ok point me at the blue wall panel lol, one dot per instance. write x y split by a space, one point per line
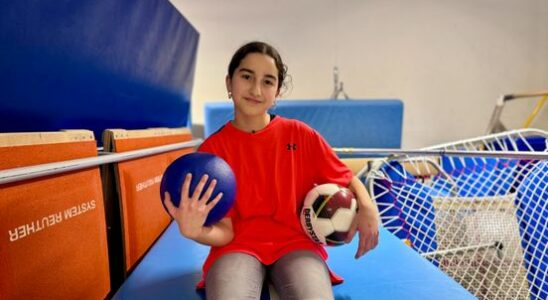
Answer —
94 64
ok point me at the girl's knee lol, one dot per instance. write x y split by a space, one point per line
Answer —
235 276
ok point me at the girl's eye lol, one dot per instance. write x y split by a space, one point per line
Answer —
246 76
269 82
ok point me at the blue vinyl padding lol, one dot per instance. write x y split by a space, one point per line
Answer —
391 271
415 218
343 123
529 143
95 64
479 176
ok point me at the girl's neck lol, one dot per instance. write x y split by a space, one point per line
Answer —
251 124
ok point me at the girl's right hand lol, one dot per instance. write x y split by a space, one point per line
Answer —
193 209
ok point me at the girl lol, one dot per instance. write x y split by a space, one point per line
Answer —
276 162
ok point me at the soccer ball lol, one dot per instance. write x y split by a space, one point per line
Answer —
327 213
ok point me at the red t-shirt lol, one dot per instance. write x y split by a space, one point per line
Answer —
274 168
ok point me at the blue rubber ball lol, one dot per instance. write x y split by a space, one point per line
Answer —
198 164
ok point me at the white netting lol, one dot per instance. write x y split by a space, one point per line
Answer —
482 220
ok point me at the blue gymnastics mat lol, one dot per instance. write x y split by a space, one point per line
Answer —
358 123
172 268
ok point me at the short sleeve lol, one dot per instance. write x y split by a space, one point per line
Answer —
327 165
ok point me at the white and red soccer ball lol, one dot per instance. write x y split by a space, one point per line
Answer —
327 214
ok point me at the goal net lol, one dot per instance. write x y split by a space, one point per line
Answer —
483 220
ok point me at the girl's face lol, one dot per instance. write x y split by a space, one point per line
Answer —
254 85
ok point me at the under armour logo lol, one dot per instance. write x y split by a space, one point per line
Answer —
291 147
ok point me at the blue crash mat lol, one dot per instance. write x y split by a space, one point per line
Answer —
172 268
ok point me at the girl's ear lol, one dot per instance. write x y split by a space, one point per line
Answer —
228 83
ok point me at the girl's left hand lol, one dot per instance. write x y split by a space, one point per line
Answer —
367 224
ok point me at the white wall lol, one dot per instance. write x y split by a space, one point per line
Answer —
447 60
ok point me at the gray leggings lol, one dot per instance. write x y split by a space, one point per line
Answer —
297 275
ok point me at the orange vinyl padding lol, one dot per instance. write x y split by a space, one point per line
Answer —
28 155
122 145
144 217
53 243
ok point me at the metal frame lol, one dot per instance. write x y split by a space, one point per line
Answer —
31 172
495 125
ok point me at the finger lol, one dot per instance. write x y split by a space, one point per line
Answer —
376 240
361 246
199 188
186 187
169 205
209 191
361 251
213 202
371 242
